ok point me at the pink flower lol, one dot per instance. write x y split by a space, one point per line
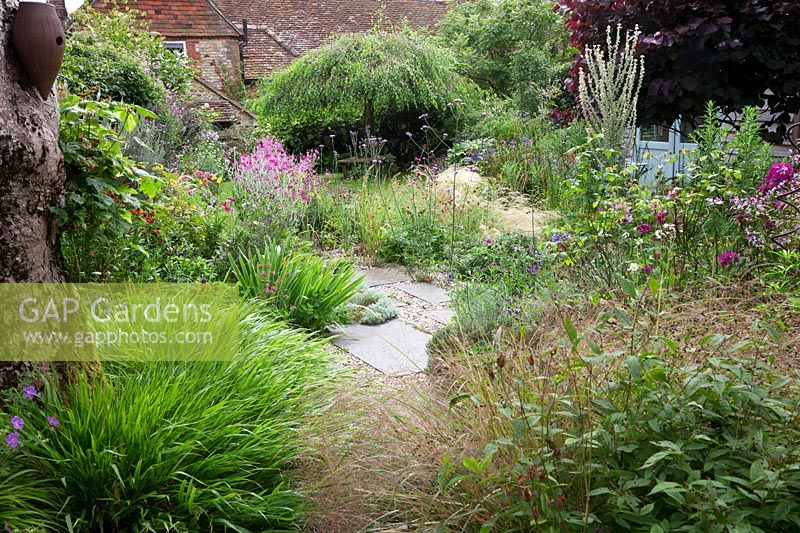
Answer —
644 228
779 174
727 259
661 216
647 268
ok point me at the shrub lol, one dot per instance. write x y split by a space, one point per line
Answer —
515 48
182 137
685 228
511 261
536 161
304 289
684 72
426 220
103 185
377 82
103 73
272 188
168 446
643 440
114 56
481 310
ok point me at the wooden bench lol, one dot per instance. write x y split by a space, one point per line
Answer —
350 162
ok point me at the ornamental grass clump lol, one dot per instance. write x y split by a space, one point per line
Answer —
303 289
170 446
619 425
272 188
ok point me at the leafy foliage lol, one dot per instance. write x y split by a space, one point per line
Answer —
170 447
103 186
304 289
113 56
182 136
535 159
516 48
380 82
511 261
639 442
424 226
729 51
713 220
92 71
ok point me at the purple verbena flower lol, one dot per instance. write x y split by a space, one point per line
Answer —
53 421
29 391
13 440
17 422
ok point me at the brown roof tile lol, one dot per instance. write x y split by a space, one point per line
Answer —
282 29
181 18
263 54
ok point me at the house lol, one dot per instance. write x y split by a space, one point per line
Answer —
279 31
233 43
662 150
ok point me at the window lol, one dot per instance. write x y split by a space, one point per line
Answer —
177 47
655 133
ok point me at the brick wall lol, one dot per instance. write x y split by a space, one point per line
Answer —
217 60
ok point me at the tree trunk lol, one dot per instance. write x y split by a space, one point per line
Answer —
31 178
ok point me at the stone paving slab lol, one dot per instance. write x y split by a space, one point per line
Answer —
443 315
425 291
377 276
394 348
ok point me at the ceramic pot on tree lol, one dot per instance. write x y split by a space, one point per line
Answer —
38 37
